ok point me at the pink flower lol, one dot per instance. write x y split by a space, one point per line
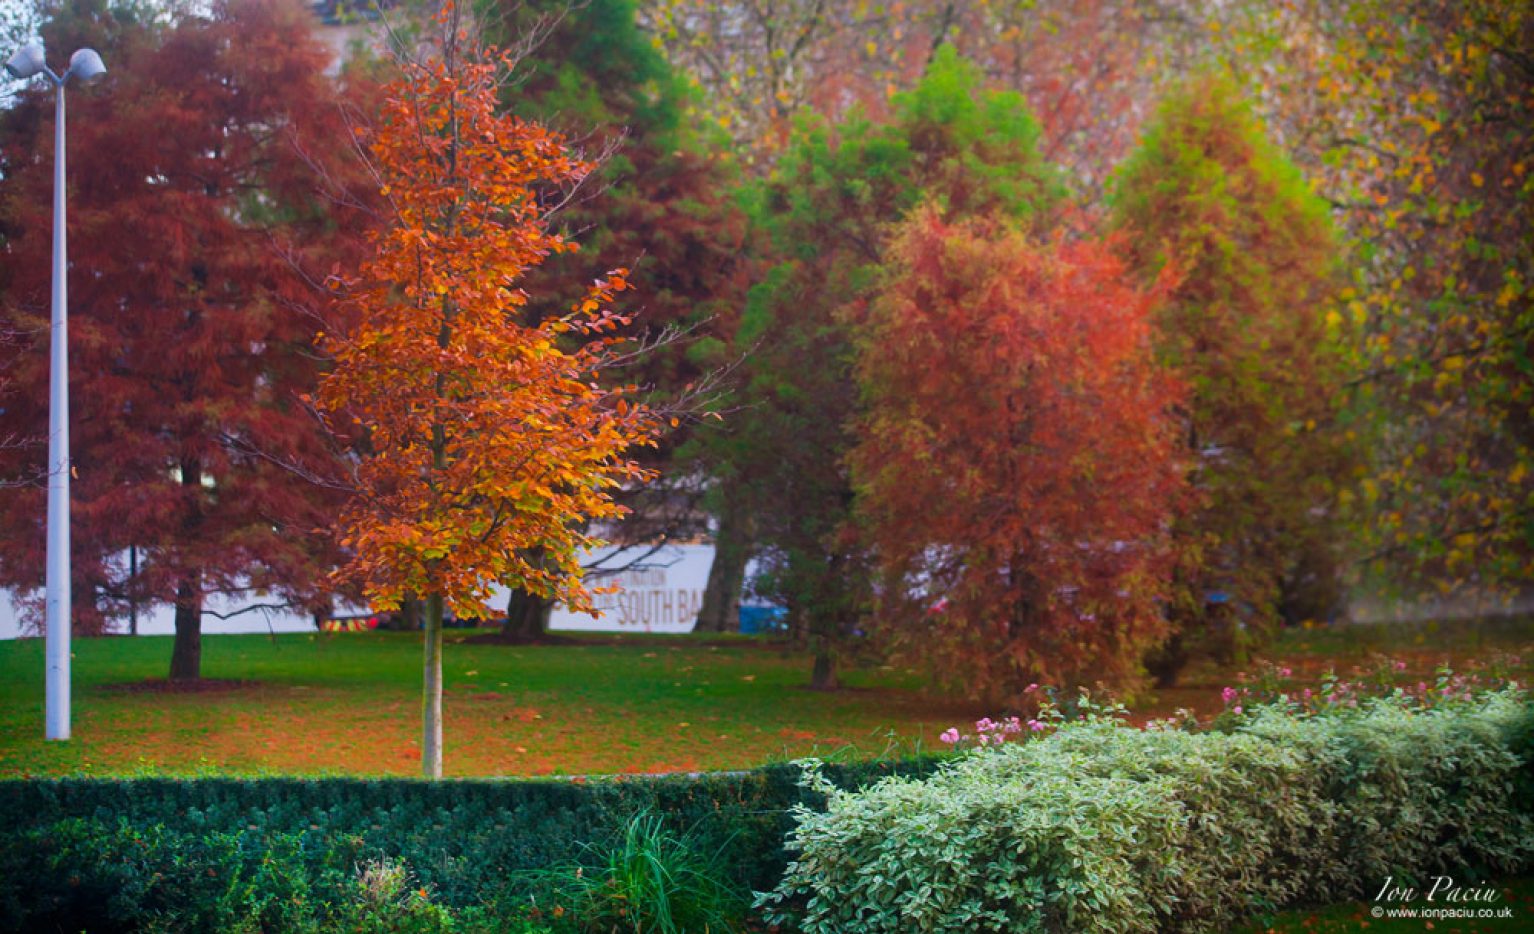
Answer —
1013 725
1229 694
1236 708
1400 666
1285 672
1030 689
950 736
984 739
1035 725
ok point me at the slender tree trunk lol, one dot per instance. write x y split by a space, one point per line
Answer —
132 590
431 699
186 651
721 596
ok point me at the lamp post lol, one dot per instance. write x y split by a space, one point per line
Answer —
86 65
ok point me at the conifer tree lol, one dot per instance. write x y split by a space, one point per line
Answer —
1247 328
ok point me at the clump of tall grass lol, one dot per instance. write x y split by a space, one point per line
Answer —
648 880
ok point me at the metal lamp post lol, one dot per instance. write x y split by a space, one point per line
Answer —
87 66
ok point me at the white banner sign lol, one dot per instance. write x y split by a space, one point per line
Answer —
660 592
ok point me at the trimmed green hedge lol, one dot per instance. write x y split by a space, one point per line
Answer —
273 853
1105 827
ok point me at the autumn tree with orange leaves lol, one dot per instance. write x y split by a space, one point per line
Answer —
1017 468
487 445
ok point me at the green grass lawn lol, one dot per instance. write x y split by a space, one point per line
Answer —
349 703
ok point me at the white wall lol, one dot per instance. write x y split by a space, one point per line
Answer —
661 593
161 620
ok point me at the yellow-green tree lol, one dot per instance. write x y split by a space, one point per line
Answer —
1427 119
1246 327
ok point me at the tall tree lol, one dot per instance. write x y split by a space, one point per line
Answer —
661 205
192 211
827 211
1017 462
488 442
1208 195
1425 131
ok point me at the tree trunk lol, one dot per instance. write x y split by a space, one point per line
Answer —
1165 662
411 613
721 596
527 616
186 652
823 675
797 626
431 694
132 590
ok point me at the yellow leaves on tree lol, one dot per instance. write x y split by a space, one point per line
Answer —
486 443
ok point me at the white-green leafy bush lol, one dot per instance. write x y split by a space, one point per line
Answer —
1105 827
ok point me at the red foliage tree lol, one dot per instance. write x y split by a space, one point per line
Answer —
1016 467
192 212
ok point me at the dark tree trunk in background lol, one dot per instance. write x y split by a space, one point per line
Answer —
798 631
412 613
721 596
527 617
527 614
823 675
186 652
1165 663
132 593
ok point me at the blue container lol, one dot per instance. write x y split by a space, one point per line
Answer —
759 620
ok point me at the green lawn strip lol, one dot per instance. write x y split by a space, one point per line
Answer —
1518 894
348 704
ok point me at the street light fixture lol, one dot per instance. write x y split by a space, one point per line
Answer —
85 65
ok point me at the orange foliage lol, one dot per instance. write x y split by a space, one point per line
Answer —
485 441
1017 468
